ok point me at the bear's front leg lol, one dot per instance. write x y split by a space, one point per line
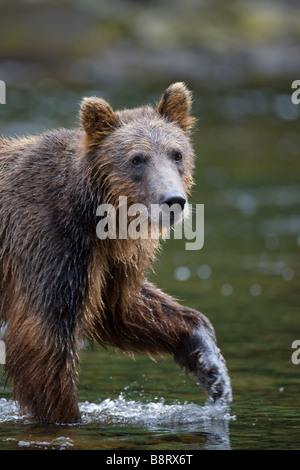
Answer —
193 342
157 324
198 353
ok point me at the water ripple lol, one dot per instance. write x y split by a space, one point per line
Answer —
123 411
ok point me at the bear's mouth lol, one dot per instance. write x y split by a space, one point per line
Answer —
165 220
139 221
158 215
166 216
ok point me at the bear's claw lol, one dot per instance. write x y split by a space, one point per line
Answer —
213 376
200 355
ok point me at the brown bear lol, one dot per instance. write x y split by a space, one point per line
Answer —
60 283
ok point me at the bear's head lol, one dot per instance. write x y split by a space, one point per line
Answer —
143 154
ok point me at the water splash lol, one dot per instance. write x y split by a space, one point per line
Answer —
131 412
123 411
9 411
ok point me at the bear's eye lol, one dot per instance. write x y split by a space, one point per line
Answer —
177 156
137 161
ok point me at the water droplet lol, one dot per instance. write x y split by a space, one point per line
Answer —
246 203
288 274
255 290
204 271
226 289
182 274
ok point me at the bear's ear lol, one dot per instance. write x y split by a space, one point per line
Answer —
97 117
176 105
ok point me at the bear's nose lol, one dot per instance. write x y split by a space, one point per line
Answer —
173 197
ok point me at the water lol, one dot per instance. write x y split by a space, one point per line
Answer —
139 417
128 420
245 279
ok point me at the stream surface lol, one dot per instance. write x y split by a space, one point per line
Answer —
245 279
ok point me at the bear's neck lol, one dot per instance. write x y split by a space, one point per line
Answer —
117 271
126 261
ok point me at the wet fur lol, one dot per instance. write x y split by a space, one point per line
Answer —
59 282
